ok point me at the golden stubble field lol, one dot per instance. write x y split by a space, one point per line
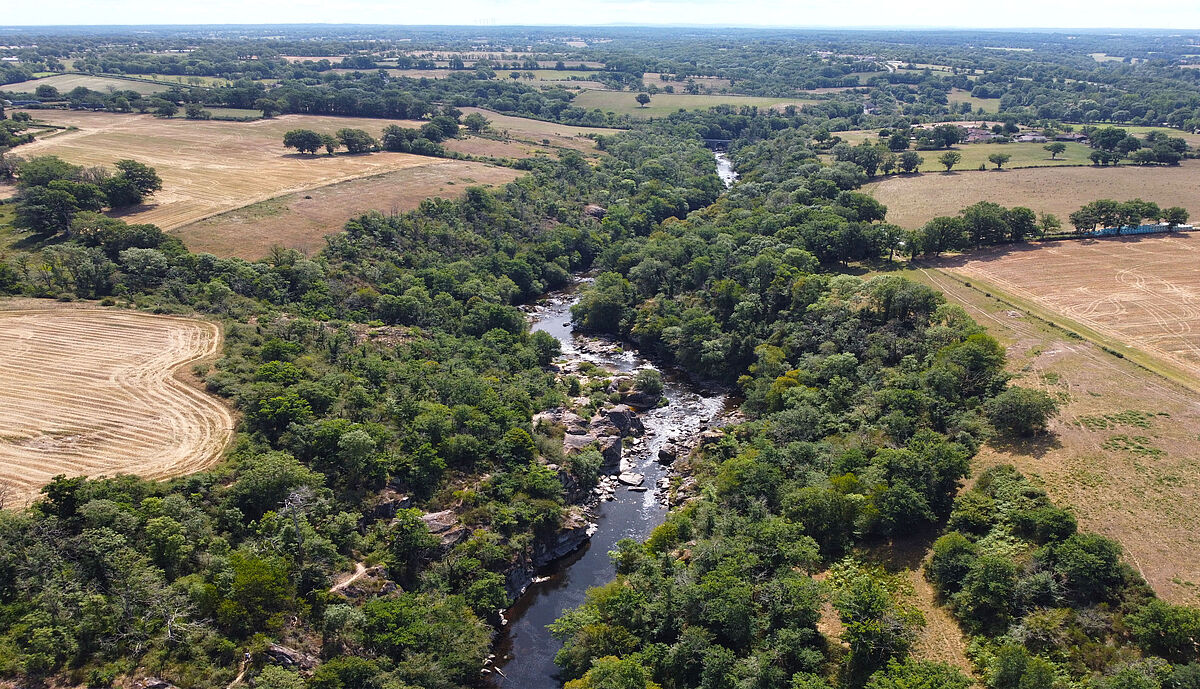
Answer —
1141 292
92 391
211 167
913 199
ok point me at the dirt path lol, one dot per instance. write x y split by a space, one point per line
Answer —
92 391
359 570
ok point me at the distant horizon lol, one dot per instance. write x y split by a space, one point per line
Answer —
621 25
867 15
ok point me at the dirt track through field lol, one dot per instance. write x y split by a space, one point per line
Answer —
98 392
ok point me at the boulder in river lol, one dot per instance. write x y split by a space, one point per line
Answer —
625 419
631 478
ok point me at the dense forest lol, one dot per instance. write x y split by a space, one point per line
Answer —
393 376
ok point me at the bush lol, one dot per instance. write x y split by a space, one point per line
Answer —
1021 411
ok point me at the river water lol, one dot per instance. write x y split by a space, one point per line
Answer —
525 652
725 169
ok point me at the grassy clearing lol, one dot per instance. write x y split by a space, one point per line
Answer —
1143 501
990 105
663 104
210 166
1192 139
1136 293
66 82
185 81
913 199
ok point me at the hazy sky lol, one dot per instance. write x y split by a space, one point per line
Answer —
1173 14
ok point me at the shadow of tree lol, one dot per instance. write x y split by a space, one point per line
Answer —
1036 447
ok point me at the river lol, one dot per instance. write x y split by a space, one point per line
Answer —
525 651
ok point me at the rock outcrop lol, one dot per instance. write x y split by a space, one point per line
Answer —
290 658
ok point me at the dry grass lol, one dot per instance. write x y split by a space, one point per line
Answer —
97 391
913 199
1145 499
301 220
663 104
66 82
211 167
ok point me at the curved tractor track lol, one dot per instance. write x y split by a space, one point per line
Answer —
87 391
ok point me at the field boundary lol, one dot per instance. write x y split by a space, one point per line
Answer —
1108 344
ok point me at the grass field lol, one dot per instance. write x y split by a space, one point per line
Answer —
1141 493
988 104
211 167
66 82
714 83
101 392
662 104
185 81
539 132
914 199
1192 139
301 220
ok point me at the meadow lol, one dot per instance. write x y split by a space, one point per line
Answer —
301 220
663 104
1122 451
66 82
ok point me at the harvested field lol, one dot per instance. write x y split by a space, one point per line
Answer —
66 82
94 391
1142 292
301 220
210 167
1142 493
913 199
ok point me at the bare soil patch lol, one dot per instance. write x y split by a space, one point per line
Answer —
301 220
913 199
92 391
1123 452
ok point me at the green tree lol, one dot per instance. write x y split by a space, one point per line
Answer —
356 140
475 122
643 99
275 677
910 161
1174 216
1166 630
999 159
1055 148
949 159
918 674
303 140
143 177
1021 411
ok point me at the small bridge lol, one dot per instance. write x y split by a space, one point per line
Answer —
717 144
